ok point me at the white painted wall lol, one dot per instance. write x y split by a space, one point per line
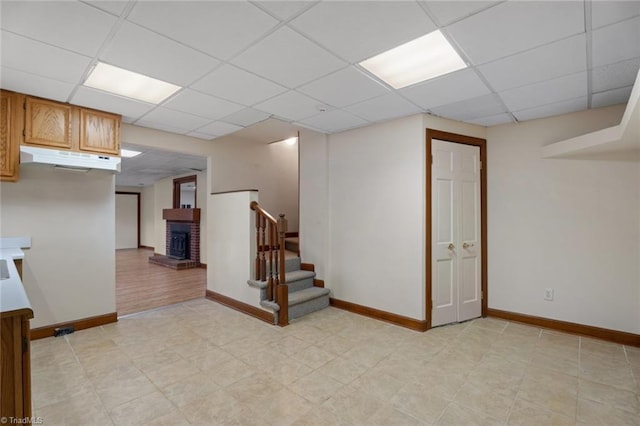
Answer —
147 216
232 246
126 221
570 225
69 272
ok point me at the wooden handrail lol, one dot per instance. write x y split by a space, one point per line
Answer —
270 258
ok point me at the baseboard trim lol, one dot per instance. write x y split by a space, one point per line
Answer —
203 265
80 324
318 283
621 337
402 321
146 247
240 306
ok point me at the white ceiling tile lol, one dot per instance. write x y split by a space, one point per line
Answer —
61 64
512 27
36 85
333 121
161 126
72 25
202 105
493 120
285 9
176 119
383 108
553 60
218 128
455 87
611 97
115 7
238 85
345 87
482 106
246 117
358 30
288 58
448 11
616 75
163 58
291 106
220 28
199 135
547 92
608 12
564 107
625 36
103 101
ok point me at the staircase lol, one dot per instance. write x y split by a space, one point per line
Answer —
303 296
287 286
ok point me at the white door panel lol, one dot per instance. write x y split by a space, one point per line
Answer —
456 256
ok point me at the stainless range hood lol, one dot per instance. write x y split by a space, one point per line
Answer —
78 160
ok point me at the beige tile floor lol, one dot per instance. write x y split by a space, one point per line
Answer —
201 363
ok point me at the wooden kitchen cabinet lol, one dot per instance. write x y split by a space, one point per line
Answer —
15 364
57 125
99 132
11 125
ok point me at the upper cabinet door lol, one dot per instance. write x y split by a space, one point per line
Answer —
99 132
48 123
11 124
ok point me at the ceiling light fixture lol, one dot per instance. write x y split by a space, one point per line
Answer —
129 84
418 60
128 153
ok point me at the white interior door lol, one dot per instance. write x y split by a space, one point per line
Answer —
456 255
126 221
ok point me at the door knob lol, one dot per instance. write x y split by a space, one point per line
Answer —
467 245
451 246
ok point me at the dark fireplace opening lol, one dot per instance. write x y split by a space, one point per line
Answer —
179 244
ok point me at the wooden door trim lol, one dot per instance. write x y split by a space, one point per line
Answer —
465 140
138 205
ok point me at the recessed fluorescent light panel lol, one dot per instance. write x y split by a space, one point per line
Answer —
128 153
129 84
421 59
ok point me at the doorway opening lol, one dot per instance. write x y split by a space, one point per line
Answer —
455 245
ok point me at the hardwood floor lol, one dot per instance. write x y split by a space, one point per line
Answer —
141 286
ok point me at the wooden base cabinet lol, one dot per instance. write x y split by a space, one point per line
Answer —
11 125
15 364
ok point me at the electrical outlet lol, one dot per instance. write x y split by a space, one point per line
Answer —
548 294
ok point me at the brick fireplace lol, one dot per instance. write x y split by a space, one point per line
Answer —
182 239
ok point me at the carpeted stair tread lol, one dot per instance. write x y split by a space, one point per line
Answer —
307 294
257 284
298 275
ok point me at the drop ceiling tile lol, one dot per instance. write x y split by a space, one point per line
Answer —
288 58
493 120
609 12
333 121
285 9
625 36
547 92
201 135
114 7
614 76
161 126
383 108
220 28
448 89
345 87
358 30
196 103
246 117
71 25
513 27
61 65
447 12
103 101
292 106
564 107
611 97
163 58
482 106
553 60
36 85
237 85
218 128
176 119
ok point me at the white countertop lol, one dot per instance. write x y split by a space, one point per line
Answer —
12 294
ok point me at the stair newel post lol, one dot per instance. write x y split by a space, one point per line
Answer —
282 230
282 289
263 258
270 284
257 272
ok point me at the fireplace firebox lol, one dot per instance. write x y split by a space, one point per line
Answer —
179 244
